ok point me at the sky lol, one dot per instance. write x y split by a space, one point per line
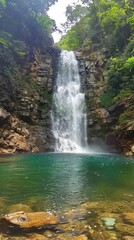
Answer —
57 12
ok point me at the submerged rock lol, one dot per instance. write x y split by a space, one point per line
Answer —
125 228
19 207
128 238
81 237
109 222
29 220
129 217
36 236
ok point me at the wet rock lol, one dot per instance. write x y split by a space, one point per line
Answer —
19 143
4 115
37 237
36 203
49 234
109 222
91 205
80 237
128 238
29 220
125 228
104 235
129 217
132 149
6 237
109 215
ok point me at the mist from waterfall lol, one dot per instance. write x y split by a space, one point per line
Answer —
68 114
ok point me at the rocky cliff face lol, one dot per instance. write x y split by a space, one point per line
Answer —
111 128
25 105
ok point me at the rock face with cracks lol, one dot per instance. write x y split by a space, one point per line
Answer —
26 103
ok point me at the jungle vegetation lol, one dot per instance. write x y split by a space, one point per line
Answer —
24 26
105 25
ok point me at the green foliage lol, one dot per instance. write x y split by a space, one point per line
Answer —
5 39
120 73
112 17
11 46
46 23
109 23
76 35
43 92
74 14
70 42
129 64
24 26
123 94
130 21
2 6
122 118
129 50
106 99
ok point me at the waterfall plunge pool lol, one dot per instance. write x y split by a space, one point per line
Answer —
82 183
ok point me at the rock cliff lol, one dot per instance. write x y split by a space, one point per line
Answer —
25 104
112 128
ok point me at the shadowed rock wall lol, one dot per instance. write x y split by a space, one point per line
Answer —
111 128
25 105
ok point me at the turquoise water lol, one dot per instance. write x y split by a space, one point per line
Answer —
54 181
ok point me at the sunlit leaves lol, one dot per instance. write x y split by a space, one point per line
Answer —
130 21
129 64
111 16
5 39
2 6
46 23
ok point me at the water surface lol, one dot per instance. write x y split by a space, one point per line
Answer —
62 180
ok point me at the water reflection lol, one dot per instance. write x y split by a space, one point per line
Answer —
63 179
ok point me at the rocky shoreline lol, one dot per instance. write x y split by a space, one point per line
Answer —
101 220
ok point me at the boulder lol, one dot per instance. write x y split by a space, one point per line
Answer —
132 149
80 237
128 238
129 217
30 220
125 228
4 115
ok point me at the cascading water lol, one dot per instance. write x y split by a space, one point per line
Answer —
68 115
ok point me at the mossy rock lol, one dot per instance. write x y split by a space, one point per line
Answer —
91 57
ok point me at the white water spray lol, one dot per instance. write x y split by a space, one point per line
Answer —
68 115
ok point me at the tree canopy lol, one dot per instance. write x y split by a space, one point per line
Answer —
106 25
24 25
100 21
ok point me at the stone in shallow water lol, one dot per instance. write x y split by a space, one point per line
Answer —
91 205
36 236
129 217
104 235
109 222
127 238
19 207
80 237
29 220
125 228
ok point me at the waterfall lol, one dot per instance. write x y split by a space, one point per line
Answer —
68 114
